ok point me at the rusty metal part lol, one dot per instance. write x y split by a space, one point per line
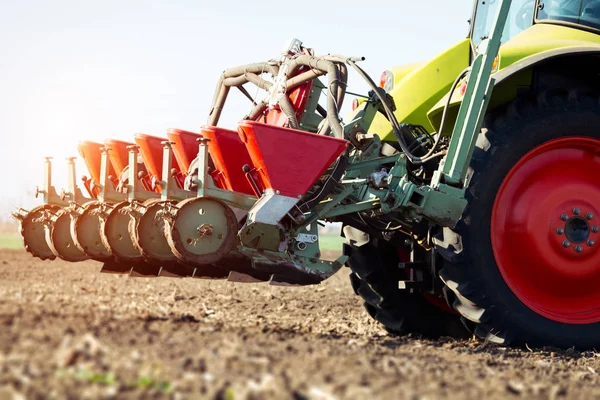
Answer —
147 231
59 239
187 231
32 226
114 232
85 230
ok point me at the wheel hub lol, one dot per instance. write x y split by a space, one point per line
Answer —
545 230
577 231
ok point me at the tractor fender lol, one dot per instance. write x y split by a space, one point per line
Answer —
509 81
540 58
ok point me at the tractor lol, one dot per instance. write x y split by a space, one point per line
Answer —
466 186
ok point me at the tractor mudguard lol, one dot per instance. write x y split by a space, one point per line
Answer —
421 88
518 57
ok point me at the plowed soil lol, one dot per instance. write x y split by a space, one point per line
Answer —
67 331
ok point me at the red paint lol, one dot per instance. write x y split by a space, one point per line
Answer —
119 155
92 156
151 150
185 147
554 178
229 156
289 160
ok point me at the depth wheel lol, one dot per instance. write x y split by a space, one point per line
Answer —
148 232
115 234
202 231
85 230
524 263
33 228
59 239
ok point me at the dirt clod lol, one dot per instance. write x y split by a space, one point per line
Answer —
192 338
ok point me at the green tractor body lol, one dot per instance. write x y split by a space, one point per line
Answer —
466 186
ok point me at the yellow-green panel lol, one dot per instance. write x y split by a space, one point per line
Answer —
421 87
532 41
401 71
543 37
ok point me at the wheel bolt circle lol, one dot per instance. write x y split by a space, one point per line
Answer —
564 217
560 231
576 211
566 243
589 216
579 249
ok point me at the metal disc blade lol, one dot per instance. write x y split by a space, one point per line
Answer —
60 241
33 230
202 231
115 234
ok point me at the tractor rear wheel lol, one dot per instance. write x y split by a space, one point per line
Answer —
375 278
524 262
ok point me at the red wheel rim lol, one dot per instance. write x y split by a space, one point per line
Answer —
544 230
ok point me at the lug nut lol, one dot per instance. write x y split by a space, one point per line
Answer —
591 242
560 231
579 249
564 217
589 216
566 243
576 211
595 229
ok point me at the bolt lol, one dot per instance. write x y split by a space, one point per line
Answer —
566 243
591 242
576 211
595 229
560 231
564 217
589 216
205 230
579 249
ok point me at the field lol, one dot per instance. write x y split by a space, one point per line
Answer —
10 241
70 332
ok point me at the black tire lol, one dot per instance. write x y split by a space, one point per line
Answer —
375 278
478 290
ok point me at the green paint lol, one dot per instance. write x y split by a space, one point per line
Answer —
418 87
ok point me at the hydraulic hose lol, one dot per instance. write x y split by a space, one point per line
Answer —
396 126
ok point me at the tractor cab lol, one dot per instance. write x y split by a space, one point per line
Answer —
578 14
582 14
484 14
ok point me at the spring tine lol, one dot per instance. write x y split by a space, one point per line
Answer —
143 270
174 270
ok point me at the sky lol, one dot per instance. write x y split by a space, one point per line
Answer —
72 70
